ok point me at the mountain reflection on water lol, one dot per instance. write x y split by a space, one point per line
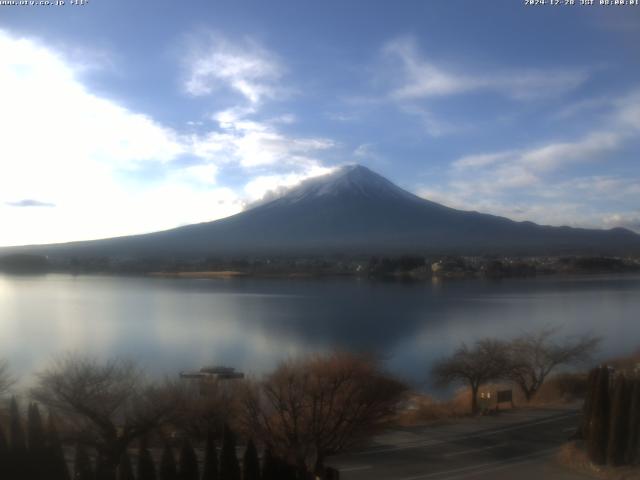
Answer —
180 324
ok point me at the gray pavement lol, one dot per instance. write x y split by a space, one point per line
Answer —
515 444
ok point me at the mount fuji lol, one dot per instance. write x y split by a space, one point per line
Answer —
352 210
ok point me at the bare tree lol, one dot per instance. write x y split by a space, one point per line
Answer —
311 408
6 379
484 362
535 355
208 406
110 404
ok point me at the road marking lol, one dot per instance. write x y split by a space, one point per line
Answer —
486 467
524 460
485 433
354 469
464 452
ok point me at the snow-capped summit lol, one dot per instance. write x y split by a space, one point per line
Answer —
351 180
353 210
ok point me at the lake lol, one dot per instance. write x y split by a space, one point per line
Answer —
170 325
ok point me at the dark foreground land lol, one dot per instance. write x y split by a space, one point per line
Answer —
515 444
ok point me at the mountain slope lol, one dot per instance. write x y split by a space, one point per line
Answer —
355 210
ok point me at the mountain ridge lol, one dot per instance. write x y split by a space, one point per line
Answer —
352 210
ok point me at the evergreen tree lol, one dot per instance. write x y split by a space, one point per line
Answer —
56 463
125 470
599 425
4 455
146 468
16 432
188 462
82 465
36 443
168 469
19 464
229 466
210 459
286 471
618 428
587 408
105 471
35 431
269 465
633 442
251 464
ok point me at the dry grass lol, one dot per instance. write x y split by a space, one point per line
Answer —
573 456
560 389
424 409
628 363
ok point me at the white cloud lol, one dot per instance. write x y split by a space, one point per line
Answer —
259 146
286 119
582 107
482 160
88 156
560 204
364 150
72 148
436 127
199 174
630 220
524 184
421 78
252 143
247 68
550 157
517 168
268 187
107 170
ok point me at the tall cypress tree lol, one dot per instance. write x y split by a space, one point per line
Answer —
229 466
56 462
19 464
35 430
633 442
599 425
250 463
125 470
618 431
82 466
104 471
285 470
269 465
210 459
146 468
188 461
592 381
168 469
4 455
36 442
16 432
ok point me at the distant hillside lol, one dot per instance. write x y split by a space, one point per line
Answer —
352 210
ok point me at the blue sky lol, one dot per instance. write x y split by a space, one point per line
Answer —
123 117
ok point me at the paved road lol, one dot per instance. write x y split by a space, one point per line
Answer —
517 444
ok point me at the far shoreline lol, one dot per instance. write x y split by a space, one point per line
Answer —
402 268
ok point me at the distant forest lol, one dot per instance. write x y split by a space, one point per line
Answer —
402 266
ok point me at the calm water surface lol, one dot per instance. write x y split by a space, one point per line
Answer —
175 324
